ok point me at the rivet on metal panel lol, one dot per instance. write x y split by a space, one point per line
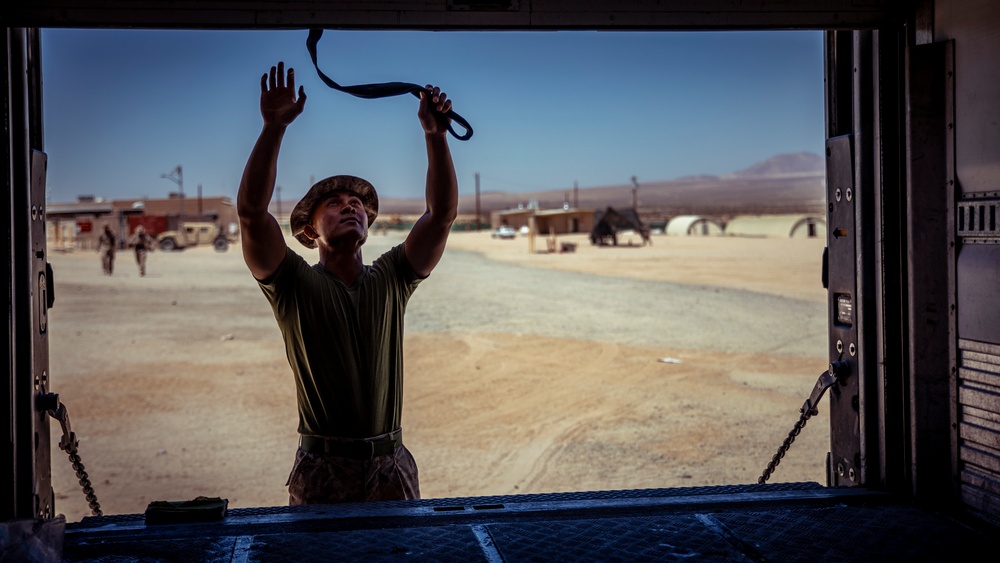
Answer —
840 469
837 194
840 346
852 349
850 194
852 475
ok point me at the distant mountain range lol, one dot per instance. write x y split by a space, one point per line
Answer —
784 183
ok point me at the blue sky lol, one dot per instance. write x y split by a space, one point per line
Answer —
123 107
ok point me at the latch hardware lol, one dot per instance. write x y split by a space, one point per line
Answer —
837 371
49 402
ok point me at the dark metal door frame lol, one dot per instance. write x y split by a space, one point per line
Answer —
864 100
26 477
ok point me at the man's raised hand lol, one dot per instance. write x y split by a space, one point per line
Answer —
278 105
433 108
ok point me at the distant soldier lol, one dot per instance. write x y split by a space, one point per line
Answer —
107 244
143 244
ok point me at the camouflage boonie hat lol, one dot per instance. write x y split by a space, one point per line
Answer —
303 211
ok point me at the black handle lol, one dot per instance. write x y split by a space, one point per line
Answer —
381 90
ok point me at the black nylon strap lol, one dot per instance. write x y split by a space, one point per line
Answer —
381 90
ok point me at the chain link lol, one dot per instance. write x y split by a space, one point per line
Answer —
71 446
784 447
81 474
826 380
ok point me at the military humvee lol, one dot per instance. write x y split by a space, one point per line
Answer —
194 233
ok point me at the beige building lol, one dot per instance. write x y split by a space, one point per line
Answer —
79 224
545 221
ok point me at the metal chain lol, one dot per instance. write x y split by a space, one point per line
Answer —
71 446
81 474
834 373
784 447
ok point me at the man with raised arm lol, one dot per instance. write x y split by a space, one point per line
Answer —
342 320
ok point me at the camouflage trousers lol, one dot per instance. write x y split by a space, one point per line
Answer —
327 479
108 260
140 259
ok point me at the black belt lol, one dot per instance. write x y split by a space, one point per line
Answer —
383 90
354 449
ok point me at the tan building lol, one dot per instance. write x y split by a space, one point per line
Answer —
562 221
545 221
513 218
79 224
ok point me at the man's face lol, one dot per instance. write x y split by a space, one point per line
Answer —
341 215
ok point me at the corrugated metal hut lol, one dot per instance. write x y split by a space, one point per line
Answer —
776 226
693 225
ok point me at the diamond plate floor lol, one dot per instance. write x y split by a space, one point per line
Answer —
779 522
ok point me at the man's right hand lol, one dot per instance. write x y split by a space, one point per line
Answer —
278 105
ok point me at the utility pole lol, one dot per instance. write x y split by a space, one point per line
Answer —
477 202
200 211
177 176
576 195
635 194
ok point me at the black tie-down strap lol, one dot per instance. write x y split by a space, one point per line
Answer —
382 90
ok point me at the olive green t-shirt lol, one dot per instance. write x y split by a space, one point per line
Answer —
344 343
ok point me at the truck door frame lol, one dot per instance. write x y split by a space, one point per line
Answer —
866 82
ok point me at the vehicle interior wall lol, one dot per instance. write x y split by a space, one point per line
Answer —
974 28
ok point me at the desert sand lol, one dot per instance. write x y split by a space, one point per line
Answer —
679 364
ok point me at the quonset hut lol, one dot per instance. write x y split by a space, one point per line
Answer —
693 225
776 226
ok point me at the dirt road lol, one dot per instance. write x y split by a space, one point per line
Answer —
606 368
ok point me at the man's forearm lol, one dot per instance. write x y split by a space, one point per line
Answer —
442 185
257 184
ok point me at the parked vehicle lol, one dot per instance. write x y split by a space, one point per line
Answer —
194 233
504 231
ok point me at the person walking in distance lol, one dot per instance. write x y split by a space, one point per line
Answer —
342 319
143 244
107 245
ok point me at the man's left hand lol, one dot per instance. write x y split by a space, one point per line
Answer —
433 107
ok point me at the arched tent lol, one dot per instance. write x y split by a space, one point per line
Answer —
776 226
809 227
693 225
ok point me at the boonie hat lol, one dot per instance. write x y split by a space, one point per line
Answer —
303 211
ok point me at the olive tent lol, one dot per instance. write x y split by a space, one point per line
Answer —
609 222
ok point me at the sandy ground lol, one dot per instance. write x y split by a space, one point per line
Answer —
177 385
